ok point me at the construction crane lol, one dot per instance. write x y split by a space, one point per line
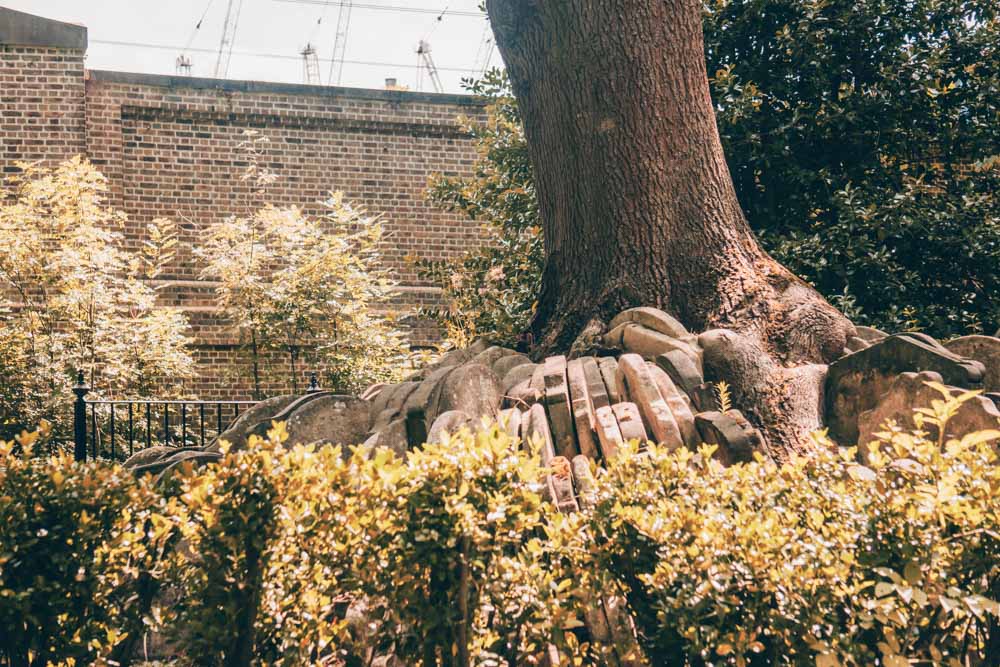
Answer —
484 55
182 65
340 42
424 54
310 65
228 38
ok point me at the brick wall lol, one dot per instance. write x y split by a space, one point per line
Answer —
169 146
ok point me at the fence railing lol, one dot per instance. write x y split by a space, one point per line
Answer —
118 428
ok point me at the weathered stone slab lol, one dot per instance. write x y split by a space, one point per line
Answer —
561 484
510 421
678 402
633 373
651 318
609 371
392 399
393 437
517 375
490 355
609 435
685 371
583 480
333 419
735 438
870 334
596 390
630 422
473 389
704 398
557 403
193 458
536 433
236 435
923 338
854 344
522 395
422 398
855 383
583 412
908 392
450 422
505 364
372 391
154 459
649 344
984 349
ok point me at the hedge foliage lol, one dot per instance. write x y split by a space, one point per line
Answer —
294 555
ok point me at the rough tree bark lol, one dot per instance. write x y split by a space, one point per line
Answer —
636 200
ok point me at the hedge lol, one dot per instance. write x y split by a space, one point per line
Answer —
299 555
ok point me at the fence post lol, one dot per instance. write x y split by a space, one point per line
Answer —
313 384
80 418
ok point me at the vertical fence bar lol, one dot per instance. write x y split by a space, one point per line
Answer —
93 429
184 424
201 413
80 418
166 423
113 457
149 424
218 419
131 429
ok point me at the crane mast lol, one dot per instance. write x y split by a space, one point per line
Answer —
228 38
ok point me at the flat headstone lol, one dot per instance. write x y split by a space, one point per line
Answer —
504 364
635 376
236 435
372 391
536 433
561 484
856 382
510 421
583 480
490 355
522 395
557 403
678 402
735 439
685 371
583 414
651 318
337 420
704 398
910 391
393 437
609 435
984 349
516 376
473 389
609 371
649 343
870 334
422 398
392 399
596 390
450 422
630 422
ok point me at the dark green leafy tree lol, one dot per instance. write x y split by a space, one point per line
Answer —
863 140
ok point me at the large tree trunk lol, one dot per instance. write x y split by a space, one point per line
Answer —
636 200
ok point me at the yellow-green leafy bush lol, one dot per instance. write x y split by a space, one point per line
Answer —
821 561
284 555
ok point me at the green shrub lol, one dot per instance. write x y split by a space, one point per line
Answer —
304 555
821 561
73 541
862 138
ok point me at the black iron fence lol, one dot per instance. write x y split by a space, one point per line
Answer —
117 429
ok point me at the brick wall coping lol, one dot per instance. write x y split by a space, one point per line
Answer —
228 85
20 29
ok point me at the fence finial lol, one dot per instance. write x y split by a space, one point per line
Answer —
313 384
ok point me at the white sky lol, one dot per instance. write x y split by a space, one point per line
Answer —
282 28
